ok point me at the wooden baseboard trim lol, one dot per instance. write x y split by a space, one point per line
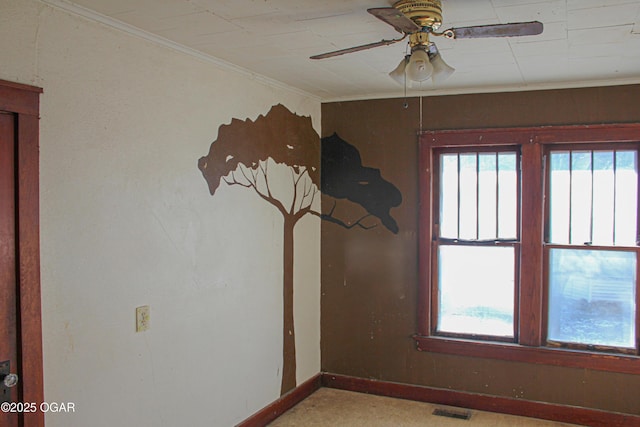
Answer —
482 402
283 404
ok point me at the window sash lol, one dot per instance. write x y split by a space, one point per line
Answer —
478 197
565 233
559 343
436 292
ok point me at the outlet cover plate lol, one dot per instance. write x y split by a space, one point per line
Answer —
142 318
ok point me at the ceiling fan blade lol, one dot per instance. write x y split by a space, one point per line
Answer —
395 18
356 48
498 30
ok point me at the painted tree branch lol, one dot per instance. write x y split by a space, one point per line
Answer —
307 189
254 184
295 190
264 166
329 217
313 190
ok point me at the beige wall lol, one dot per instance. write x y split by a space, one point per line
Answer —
127 220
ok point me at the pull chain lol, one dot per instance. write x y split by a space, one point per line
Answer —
405 105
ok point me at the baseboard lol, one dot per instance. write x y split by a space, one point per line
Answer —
283 404
482 402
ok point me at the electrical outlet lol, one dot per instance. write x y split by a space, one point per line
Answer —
142 318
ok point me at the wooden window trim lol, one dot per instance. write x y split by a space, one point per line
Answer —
530 347
537 355
24 101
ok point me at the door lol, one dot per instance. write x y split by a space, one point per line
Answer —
8 284
20 315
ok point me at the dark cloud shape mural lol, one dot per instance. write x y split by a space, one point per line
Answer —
344 177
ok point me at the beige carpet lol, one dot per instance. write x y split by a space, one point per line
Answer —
331 407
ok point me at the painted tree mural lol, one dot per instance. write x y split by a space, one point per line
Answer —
283 147
246 154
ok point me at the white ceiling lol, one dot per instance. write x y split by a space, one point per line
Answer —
584 43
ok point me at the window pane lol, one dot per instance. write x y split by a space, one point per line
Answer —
478 196
626 176
479 297
580 197
468 196
507 196
488 197
592 297
593 197
449 196
603 198
560 191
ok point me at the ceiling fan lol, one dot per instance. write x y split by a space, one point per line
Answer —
420 19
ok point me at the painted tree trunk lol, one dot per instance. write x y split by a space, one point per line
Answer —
289 335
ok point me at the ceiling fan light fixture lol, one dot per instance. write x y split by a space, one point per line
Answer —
441 70
398 74
419 68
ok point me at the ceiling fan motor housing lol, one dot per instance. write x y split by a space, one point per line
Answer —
424 13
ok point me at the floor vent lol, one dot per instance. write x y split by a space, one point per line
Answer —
461 415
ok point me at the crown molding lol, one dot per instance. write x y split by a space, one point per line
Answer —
92 15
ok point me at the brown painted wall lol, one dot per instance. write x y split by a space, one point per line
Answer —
369 277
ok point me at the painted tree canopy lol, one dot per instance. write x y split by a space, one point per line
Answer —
280 135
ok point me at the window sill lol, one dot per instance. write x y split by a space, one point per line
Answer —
539 355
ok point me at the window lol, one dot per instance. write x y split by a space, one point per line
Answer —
476 222
591 268
529 245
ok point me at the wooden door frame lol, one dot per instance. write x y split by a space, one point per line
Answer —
24 102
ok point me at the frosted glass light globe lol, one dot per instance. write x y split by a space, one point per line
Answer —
419 68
